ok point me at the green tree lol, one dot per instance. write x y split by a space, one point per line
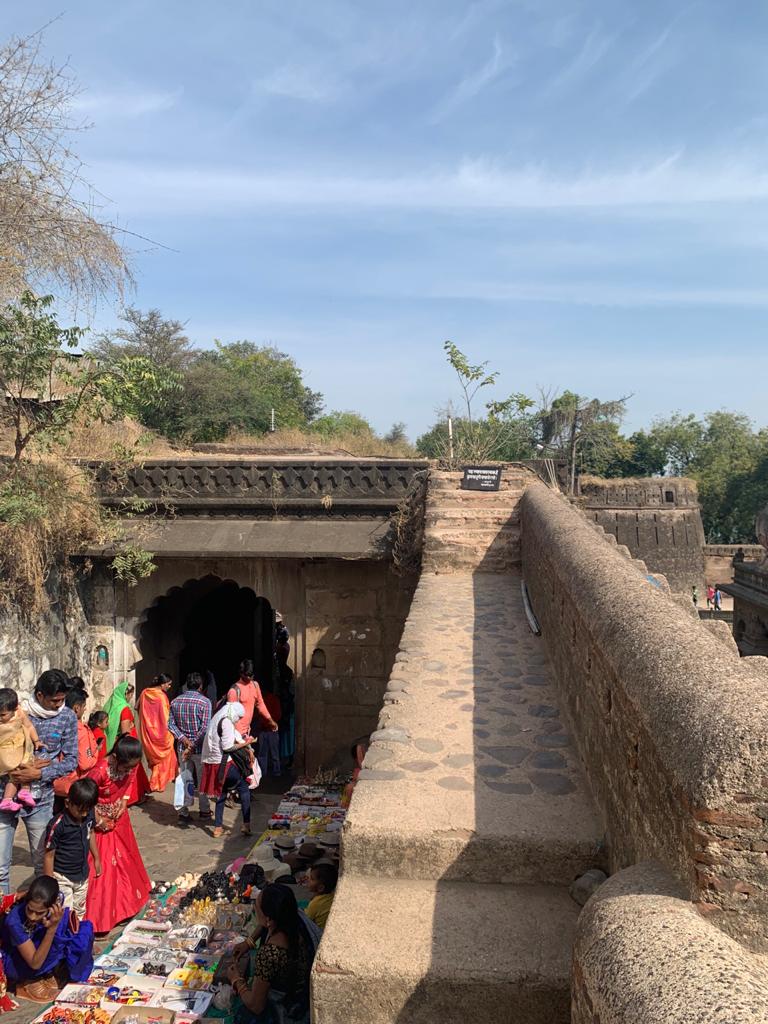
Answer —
680 438
337 423
727 459
150 335
162 342
477 437
47 511
645 456
48 386
234 388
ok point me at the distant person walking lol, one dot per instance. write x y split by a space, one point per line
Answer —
156 737
695 595
710 596
190 715
718 597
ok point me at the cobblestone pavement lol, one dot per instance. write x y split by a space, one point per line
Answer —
168 849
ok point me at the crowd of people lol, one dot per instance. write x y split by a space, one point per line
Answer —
70 780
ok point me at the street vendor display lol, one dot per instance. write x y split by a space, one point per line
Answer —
170 962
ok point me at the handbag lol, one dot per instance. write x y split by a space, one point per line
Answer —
184 787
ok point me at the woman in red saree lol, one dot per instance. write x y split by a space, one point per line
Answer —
156 737
122 889
123 723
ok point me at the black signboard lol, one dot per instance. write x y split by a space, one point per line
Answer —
481 478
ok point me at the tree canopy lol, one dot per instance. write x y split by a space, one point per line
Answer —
207 394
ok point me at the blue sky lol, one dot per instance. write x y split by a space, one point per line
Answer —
575 191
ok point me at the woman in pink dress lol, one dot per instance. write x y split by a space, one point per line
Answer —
122 889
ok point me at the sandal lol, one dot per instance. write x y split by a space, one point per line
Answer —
43 990
245 830
218 832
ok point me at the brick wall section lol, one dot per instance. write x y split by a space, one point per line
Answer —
671 725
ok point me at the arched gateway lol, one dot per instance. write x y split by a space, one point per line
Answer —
207 625
234 541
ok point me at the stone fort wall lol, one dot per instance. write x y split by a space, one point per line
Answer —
671 725
657 518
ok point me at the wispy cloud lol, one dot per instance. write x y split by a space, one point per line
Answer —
595 47
126 104
653 61
292 81
475 184
474 83
601 293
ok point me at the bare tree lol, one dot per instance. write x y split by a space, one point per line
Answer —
51 236
570 422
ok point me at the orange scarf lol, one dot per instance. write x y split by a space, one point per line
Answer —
156 738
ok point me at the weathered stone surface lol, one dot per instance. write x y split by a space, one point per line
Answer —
644 955
673 726
415 965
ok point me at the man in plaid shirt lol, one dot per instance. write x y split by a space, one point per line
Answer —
189 720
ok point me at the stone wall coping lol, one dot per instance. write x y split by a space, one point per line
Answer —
643 955
751 551
706 710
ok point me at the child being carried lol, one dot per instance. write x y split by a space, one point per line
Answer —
18 743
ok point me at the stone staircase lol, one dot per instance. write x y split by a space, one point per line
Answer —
471 817
471 530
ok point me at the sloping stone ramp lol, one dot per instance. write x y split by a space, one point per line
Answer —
471 817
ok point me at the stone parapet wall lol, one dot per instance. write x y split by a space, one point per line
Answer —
671 726
643 955
279 483
649 492
718 560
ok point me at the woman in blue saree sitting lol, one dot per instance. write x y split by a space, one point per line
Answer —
39 936
274 988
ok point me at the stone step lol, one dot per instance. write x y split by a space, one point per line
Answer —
454 533
436 514
411 952
471 562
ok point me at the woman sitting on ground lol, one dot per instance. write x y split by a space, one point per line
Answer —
38 936
276 985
